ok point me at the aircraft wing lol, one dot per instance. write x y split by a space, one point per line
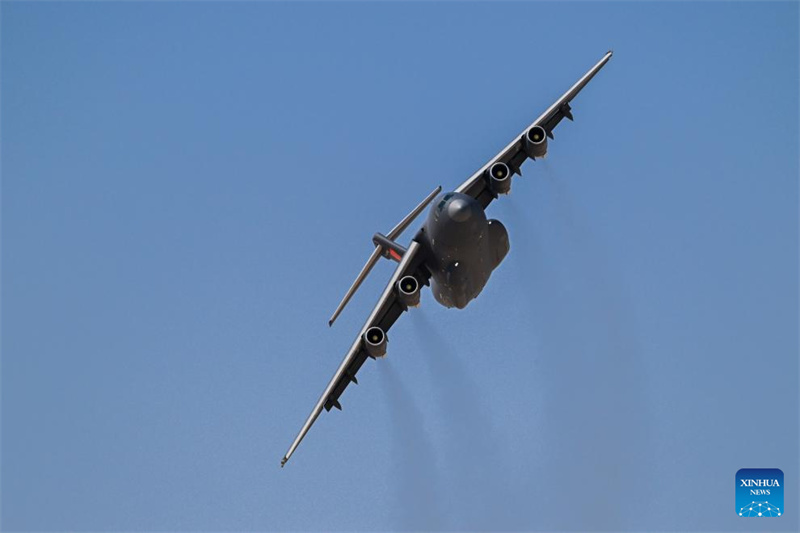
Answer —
385 313
514 154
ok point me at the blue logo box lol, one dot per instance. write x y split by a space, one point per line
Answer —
759 492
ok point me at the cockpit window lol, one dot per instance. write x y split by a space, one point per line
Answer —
443 202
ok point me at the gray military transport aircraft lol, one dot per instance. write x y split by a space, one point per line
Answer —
455 250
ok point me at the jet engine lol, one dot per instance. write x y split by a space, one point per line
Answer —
408 291
499 176
375 342
535 142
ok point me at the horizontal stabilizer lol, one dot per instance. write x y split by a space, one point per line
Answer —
384 248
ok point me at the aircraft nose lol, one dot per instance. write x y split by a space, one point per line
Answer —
459 210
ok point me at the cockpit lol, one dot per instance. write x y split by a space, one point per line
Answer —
442 203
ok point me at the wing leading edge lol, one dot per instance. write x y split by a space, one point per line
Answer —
514 154
384 315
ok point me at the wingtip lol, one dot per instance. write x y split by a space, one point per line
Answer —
610 52
283 462
330 322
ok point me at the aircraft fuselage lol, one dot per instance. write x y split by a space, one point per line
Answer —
463 248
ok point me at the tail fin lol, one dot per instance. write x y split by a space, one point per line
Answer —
384 246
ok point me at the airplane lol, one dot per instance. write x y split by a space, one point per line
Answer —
454 252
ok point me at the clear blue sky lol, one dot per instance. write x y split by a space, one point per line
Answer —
189 188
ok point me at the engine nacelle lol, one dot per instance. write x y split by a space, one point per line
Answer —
499 177
535 142
375 342
408 291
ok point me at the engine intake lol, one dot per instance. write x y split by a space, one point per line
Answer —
499 176
408 291
535 142
375 342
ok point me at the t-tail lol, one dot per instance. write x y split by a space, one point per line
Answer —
385 246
